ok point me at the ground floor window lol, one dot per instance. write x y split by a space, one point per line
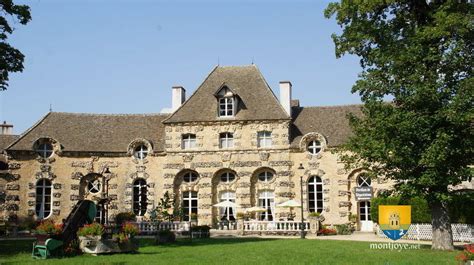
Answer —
228 212
315 194
190 204
100 216
139 197
43 198
266 200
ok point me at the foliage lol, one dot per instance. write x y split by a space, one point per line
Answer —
123 217
73 248
26 223
467 254
11 59
419 54
200 228
49 227
194 216
120 237
94 229
167 210
327 232
130 229
344 229
165 236
240 215
314 214
353 217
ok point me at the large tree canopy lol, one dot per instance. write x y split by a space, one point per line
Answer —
11 59
419 56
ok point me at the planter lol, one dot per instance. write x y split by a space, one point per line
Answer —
164 238
41 238
96 245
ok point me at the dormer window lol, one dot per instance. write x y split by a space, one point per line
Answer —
226 101
188 141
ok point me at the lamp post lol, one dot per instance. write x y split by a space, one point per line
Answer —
301 168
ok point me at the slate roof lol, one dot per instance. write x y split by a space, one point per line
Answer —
330 121
95 132
258 102
6 140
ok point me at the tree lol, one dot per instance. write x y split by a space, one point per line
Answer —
11 59
419 56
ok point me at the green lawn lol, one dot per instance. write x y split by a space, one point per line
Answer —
241 251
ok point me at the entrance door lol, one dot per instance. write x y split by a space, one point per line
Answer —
366 224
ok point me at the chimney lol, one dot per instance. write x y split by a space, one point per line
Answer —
285 96
179 96
6 129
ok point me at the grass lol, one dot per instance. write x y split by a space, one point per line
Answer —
241 251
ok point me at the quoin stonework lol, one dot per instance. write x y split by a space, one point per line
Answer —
232 139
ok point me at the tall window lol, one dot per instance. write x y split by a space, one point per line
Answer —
315 194
45 150
228 212
140 152
139 197
227 177
226 140
265 176
266 200
188 141
190 204
314 147
226 107
264 139
43 198
190 177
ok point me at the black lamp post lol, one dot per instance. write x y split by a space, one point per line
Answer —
301 189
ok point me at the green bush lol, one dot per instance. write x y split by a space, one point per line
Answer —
201 228
343 229
123 217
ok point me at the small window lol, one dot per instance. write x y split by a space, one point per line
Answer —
190 177
3 165
265 176
188 141
226 140
45 150
264 139
314 147
364 181
140 152
226 107
227 177
94 186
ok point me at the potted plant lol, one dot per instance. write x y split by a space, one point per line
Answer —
90 235
47 229
467 256
126 237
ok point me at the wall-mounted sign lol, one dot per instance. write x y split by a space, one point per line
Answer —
363 193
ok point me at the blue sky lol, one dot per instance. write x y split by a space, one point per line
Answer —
124 56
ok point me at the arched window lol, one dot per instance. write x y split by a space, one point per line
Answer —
43 198
266 200
265 176
190 204
227 177
228 212
139 197
315 194
45 150
190 177
314 147
140 152
364 181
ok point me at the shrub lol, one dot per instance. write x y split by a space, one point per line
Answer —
343 229
201 228
327 232
120 237
467 254
130 229
240 215
123 217
49 227
314 214
94 229
194 216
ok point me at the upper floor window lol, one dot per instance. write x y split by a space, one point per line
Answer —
314 147
45 150
188 141
140 152
264 139
227 177
265 176
226 101
190 177
226 140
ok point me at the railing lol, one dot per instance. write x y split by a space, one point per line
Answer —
225 225
461 232
151 228
274 226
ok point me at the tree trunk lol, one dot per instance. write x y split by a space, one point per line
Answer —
441 224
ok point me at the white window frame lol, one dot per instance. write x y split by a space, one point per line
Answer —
44 199
225 212
226 177
188 141
140 203
95 184
141 152
265 176
264 139
191 196
226 140
227 106
45 150
314 147
364 181
317 184
266 200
